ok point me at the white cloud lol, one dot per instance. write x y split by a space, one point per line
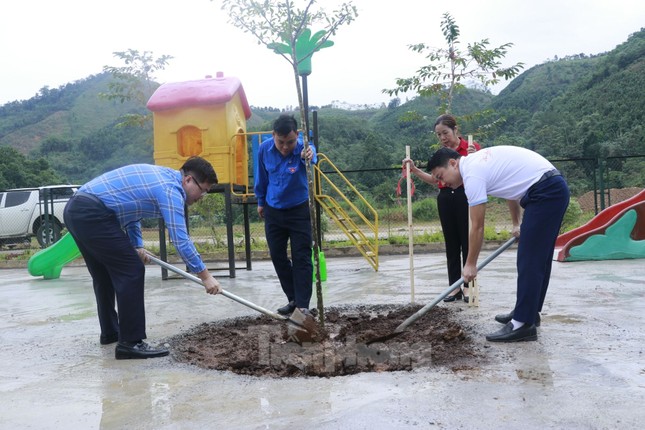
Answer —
51 43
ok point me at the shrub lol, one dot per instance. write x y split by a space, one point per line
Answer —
393 214
572 217
491 234
426 237
362 206
425 210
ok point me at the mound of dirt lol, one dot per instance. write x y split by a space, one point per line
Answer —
262 346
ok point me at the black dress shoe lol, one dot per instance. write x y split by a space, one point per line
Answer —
454 297
507 334
287 309
505 318
107 339
127 350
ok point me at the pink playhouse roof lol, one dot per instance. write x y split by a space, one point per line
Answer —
205 92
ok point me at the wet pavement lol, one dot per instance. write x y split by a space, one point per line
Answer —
586 371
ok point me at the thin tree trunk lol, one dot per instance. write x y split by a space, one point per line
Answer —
312 199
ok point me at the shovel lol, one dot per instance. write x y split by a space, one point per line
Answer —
298 324
424 310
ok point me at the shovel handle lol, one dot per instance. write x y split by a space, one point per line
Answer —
421 312
223 292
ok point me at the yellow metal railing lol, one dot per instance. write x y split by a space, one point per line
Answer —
340 206
338 201
240 145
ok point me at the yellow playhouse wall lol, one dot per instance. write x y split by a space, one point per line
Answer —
218 124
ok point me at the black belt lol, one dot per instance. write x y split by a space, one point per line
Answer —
305 203
547 175
89 196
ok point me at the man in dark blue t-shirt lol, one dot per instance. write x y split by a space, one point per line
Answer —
282 191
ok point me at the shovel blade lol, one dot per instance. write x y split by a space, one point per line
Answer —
304 328
384 338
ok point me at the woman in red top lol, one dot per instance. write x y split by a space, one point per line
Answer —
452 204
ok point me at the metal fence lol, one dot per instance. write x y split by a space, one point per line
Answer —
599 181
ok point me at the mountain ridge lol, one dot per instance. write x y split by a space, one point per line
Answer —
578 106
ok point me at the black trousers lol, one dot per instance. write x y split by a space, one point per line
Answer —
117 271
453 214
291 225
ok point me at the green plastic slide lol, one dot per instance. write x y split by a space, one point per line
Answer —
49 262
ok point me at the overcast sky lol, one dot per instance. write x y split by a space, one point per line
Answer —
54 42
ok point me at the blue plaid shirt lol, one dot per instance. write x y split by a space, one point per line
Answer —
145 191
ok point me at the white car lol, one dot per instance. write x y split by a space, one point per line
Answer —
27 212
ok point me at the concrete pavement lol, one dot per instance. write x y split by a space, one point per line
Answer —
586 371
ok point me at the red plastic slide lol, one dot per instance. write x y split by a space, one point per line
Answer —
599 223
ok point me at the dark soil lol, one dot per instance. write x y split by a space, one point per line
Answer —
262 346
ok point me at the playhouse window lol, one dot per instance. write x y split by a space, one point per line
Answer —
189 141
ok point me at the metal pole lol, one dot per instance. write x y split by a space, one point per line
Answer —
163 252
602 183
247 235
229 230
317 184
44 201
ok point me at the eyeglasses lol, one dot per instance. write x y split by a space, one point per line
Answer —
204 192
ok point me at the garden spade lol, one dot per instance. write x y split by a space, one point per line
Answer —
311 332
424 310
299 326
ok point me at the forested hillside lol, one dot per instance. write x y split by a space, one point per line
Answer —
579 106
71 112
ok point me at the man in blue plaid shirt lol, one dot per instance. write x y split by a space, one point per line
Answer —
104 217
